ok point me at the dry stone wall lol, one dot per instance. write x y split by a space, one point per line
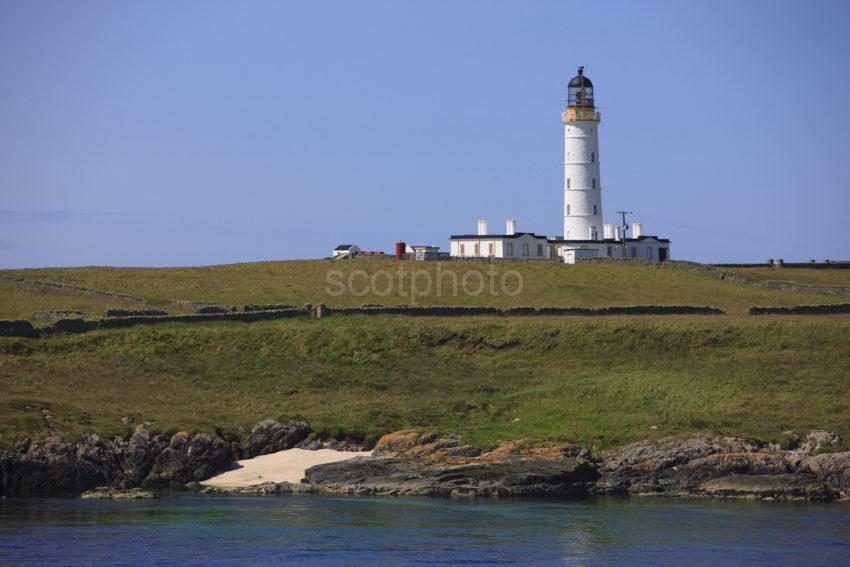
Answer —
77 325
456 311
59 287
57 315
267 306
134 312
826 309
18 328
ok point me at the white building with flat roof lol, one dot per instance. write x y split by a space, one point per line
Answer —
511 244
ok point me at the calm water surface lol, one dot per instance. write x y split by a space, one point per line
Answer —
193 529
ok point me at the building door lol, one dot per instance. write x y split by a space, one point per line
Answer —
662 254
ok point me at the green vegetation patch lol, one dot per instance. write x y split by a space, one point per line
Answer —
603 381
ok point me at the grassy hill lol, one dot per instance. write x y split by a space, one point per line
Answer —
606 381
300 282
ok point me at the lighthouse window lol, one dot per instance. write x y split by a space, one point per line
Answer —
568 209
594 209
594 183
592 157
568 182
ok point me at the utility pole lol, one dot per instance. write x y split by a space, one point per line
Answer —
623 228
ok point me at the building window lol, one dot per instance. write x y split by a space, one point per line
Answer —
539 249
594 183
634 251
592 157
491 249
525 249
594 209
477 249
568 182
610 252
462 250
568 210
509 249
649 252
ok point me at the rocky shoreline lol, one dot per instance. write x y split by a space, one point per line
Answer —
424 464
147 459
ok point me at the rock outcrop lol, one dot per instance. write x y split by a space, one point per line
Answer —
425 464
270 436
189 458
55 466
707 465
414 464
111 493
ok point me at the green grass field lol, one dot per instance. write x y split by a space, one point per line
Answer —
300 282
838 278
603 381
606 381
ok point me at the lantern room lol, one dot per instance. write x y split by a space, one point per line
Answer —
580 91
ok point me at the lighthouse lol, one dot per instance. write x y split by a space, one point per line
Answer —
585 236
582 185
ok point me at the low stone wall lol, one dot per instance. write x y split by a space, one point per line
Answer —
412 310
81 326
613 260
58 287
57 315
267 307
25 329
213 309
804 288
17 328
826 309
134 312
633 310
716 271
452 311
838 265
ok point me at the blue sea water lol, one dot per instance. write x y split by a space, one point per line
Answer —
191 529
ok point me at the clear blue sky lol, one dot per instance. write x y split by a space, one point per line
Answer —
178 133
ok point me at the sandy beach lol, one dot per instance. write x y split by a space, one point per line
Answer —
288 465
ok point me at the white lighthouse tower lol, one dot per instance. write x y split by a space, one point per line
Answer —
582 186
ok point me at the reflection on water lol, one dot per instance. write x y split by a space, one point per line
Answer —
192 529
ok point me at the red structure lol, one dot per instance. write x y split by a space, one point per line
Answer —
400 247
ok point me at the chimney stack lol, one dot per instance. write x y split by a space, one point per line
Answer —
482 227
637 229
510 226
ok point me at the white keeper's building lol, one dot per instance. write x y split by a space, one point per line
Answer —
585 234
511 244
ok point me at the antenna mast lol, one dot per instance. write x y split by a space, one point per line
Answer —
623 228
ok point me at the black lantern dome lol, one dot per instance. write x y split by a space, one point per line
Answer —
580 90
